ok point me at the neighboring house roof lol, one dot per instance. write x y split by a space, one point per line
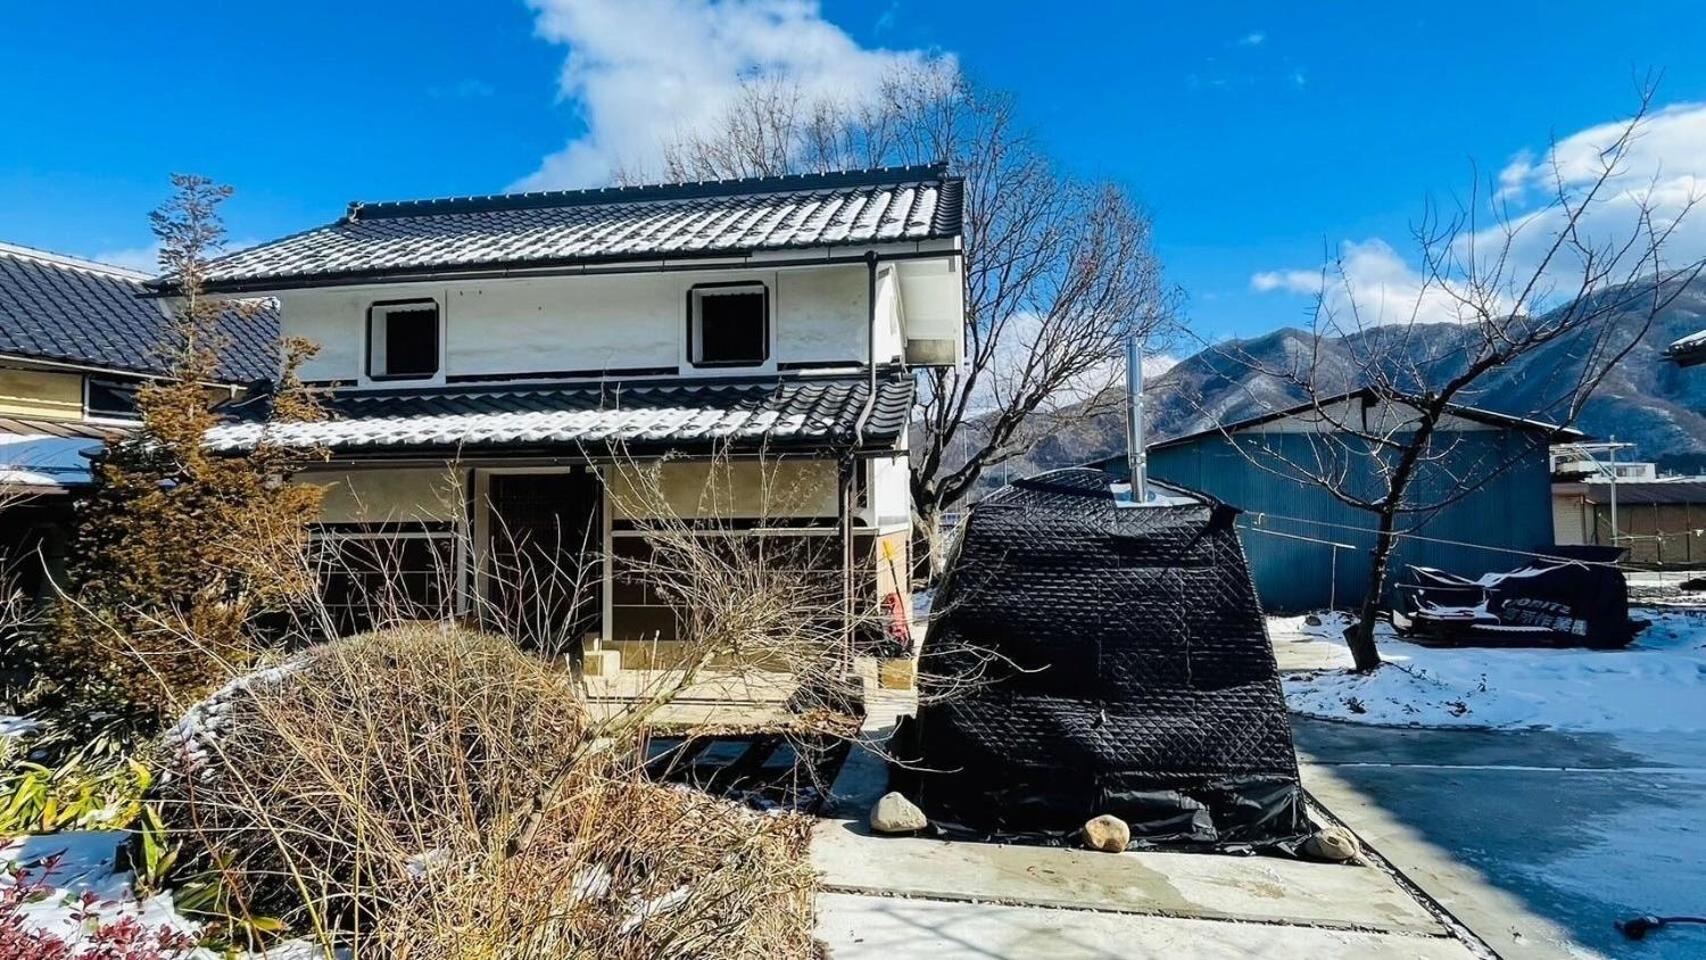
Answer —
535 230
1688 351
1477 414
49 456
1687 490
803 412
67 310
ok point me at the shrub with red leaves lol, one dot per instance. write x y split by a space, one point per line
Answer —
120 938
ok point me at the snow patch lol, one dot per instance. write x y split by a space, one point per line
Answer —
85 865
11 726
1656 684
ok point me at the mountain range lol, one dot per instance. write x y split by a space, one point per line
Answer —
1645 400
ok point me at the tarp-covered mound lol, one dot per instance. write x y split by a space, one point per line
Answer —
1575 597
1087 657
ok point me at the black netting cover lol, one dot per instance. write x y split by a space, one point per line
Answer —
1118 663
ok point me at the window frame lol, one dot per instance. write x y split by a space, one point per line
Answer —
438 340
695 294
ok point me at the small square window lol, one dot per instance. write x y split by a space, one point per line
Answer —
112 399
402 340
729 325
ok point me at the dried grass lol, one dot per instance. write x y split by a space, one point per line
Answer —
368 793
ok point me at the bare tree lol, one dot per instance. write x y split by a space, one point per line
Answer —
1506 291
1058 271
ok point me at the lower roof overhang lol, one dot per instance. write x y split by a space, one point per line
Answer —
816 416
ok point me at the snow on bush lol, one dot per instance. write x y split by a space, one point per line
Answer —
1656 684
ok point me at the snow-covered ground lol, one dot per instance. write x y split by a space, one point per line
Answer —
85 865
1656 684
86 886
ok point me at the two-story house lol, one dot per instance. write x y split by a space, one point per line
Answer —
77 340
489 362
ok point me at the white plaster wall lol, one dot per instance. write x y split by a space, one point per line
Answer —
739 489
407 495
820 315
891 317
588 323
579 323
932 293
890 493
336 321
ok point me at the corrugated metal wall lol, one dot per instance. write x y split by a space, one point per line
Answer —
1512 510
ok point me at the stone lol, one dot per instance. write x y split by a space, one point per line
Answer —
1106 832
1332 845
896 814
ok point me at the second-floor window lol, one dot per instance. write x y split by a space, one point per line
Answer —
728 325
402 340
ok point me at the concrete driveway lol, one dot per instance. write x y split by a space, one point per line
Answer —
910 898
1537 841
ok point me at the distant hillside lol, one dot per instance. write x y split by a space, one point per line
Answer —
1647 400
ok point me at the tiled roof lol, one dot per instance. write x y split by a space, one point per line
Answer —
722 217
772 413
75 311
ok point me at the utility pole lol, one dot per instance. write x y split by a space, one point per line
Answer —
1614 490
1137 458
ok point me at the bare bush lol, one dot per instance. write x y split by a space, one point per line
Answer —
313 786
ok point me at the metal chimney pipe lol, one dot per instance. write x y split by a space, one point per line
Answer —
1137 458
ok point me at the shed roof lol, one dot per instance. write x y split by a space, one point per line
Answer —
49 456
1690 490
559 228
68 310
1688 351
1370 395
772 412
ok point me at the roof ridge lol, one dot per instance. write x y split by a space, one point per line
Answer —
683 190
75 263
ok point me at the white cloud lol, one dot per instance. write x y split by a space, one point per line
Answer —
1254 38
643 72
1371 284
1513 179
1663 172
1157 364
144 259
1290 281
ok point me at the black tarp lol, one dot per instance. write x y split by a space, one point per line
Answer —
1575 596
1084 658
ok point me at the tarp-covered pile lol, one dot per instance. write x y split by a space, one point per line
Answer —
1091 657
1575 597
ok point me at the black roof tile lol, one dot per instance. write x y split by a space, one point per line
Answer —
72 311
770 412
723 217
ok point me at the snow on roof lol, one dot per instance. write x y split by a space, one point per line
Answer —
884 205
1690 350
39 460
801 411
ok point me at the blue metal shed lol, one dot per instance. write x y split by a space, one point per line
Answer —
1288 522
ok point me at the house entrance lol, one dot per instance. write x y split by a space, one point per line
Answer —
544 569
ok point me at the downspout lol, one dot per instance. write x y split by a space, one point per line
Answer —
870 347
849 464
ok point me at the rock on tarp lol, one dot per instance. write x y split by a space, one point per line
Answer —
1087 657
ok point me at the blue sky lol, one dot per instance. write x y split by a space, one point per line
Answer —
1258 134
